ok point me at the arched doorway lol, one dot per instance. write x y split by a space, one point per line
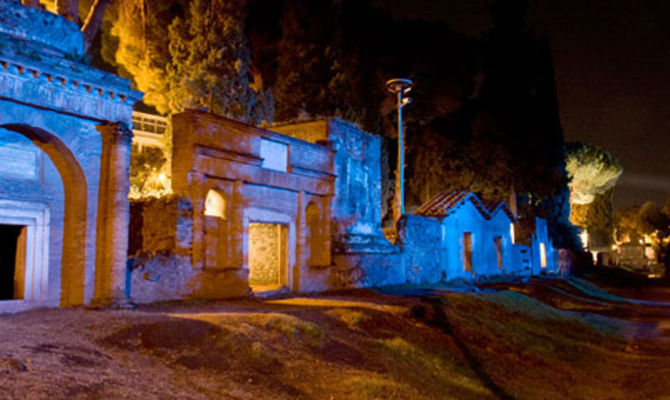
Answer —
75 209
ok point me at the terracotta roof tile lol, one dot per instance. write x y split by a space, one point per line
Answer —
444 204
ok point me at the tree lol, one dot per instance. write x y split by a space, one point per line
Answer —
209 63
136 42
597 218
635 222
653 220
321 69
505 136
188 54
148 174
648 222
626 222
444 157
592 171
517 106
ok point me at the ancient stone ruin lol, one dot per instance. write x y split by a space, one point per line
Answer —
64 151
296 208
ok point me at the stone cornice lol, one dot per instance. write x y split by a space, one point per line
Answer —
230 124
66 87
66 73
35 75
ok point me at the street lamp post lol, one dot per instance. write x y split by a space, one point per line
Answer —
400 87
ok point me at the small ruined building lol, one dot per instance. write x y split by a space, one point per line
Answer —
458 236
64 153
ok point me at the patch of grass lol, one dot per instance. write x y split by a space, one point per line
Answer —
378 388
433 374
352 318
293 327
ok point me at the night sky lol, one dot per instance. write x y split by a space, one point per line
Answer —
612 61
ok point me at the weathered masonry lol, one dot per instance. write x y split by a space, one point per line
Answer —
294 209
64 150
257 211
361 255
251 209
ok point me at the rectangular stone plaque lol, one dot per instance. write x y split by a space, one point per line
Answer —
18 162
274 155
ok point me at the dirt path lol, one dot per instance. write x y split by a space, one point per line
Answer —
543 340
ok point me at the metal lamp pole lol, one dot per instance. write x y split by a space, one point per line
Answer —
400 87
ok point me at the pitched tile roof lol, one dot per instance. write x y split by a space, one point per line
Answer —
441 205
446 203
493 207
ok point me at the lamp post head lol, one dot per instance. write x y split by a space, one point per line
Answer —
399 85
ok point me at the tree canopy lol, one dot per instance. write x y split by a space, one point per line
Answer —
209 63
504 137
592 171
649 222
187 54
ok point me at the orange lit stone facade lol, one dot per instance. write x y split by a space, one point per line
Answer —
215 154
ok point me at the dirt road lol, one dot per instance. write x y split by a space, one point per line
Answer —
547 339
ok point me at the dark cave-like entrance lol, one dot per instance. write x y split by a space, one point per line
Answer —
12 261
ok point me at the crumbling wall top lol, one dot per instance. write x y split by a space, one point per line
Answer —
40 26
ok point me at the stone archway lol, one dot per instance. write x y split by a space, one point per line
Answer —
79 117
75 221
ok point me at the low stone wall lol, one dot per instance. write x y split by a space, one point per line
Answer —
363 269
162 225
161 267
365 261
160 239
159 277
423 248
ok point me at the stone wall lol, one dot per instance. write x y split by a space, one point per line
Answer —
31 177
214 154
160 225
160 241
309 222
160 277
424 250
361 254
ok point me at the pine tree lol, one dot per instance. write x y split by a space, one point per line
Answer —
324 66
187 54
135 41
304 68
210 64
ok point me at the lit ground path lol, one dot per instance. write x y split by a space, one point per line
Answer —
545 339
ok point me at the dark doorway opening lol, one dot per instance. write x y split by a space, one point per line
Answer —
11 261
467 251
497 242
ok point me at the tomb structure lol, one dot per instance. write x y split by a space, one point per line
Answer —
64 159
